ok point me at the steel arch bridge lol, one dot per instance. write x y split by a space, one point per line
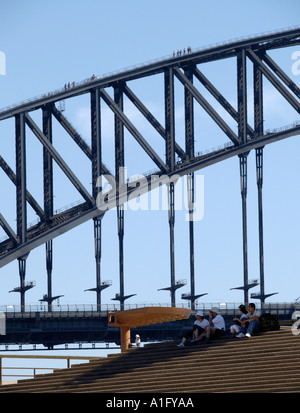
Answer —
110 90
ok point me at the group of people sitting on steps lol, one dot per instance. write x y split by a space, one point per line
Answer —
204 330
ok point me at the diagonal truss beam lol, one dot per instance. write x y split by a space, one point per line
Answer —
61 163
275 82
181 170
7 228
219 97
132 129
153 121
142 108
76 137
72 132
281 74
30 199
207 107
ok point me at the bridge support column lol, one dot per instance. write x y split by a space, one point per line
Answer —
21 199
258 128
190 150
259 172
22 273
243 176
171 194
23 287
170 162
97 239
119 166
49 266
190 190
97 183
48 196
120 213
242 132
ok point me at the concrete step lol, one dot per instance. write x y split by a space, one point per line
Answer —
271 361
211 383
107 370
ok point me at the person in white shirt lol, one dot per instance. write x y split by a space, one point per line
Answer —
216 328
198 329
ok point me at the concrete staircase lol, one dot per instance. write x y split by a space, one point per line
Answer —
268 362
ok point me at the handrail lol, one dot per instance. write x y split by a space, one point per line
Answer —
73 309
67 358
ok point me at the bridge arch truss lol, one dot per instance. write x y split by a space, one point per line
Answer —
185 68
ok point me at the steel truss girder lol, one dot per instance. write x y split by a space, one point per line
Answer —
21 178
265 42
48 163
242 95
30 199
275 82
132 129
246 139
152 120
189 115
170 119
96 152
7 228
72 132
281 74
207 107
59 160
220 98
198 163
75 135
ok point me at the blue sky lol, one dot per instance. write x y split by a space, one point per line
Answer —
47 44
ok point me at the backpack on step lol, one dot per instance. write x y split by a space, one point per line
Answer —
269 322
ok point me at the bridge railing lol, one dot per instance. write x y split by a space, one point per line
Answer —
73 310
32 371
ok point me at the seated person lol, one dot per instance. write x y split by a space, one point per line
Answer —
237 327
216 328
198 329
252 320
